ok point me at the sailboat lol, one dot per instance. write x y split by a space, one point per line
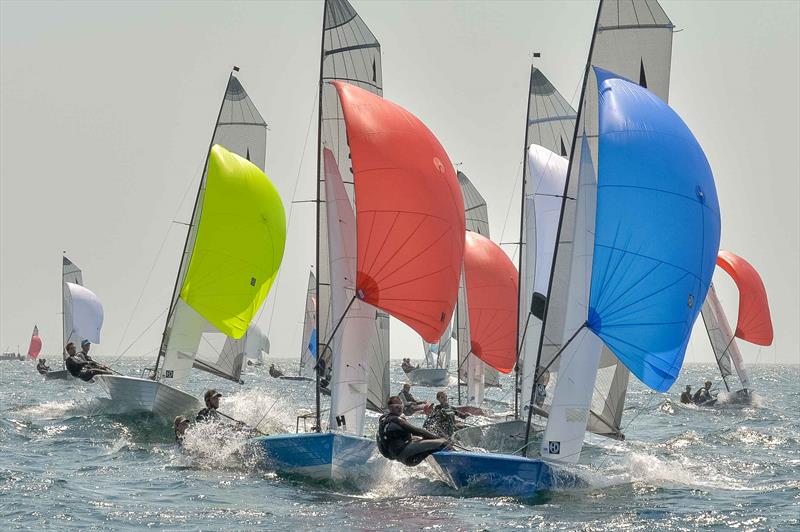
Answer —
234 247
35 347
308 343
81 313
754 323
253 348
390 242
636 245
437 362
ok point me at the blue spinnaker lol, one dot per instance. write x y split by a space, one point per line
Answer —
657 231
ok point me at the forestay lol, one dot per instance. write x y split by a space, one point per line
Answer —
634 40
238 227
308 346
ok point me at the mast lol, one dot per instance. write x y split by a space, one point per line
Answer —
192 224
520 271
317 400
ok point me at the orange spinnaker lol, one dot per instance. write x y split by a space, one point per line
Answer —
754 323
409 213
492 281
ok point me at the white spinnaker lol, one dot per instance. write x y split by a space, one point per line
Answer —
634 40
351 343
548 173
722 340
241 130
86 311
70 273
307 358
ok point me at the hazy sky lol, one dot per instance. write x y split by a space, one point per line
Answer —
106 111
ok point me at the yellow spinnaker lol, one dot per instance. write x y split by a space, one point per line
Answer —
239 244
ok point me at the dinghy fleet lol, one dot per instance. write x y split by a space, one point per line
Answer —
619 235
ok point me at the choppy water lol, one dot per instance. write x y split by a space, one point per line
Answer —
68 461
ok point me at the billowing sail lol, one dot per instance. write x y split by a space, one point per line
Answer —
350 52
409 210
233 248
69 274
491 280
35 346
754 323
646 240
308 353
634 40
87 313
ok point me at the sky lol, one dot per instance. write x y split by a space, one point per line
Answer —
106 110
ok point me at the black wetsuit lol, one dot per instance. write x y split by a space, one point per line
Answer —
396 443
208 414
702 396
42 369
409 402
80 369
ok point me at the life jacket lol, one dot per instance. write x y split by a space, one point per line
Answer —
391 436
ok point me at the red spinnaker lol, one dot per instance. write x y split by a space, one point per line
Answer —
491 279
754 323
36 343
409 213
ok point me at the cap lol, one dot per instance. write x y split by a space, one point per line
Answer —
180 419
211 394
85 342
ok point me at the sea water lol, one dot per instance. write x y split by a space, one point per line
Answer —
69 459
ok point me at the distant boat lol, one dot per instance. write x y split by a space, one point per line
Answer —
400 258
437 362
754 323
81 313
634 255
35 346
234 247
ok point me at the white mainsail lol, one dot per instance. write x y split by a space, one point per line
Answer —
634 40
725 347
189 340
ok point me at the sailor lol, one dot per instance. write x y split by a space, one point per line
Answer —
442 418
274 372
703 394
410 403
686 396
209 413
180 426
42 367
400 440
407 366
80 368
84 352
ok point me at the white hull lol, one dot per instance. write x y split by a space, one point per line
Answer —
133 394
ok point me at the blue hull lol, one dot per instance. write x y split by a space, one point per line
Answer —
501 475
321 456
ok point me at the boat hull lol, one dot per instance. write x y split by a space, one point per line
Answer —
133 394
295 378
429 377
320 456
61 374
501 475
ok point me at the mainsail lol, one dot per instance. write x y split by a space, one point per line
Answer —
233 249
633 40
350 52
69 274
35 346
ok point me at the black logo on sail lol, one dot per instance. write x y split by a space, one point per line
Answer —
554 447
341 421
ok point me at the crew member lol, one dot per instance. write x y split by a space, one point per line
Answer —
209 413
686 396
400 440
410 403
